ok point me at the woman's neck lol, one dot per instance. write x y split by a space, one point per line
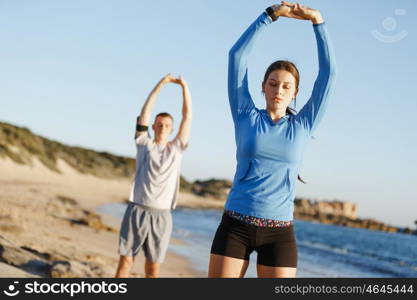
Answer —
276 113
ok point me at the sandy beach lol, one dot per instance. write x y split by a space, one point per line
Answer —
49 227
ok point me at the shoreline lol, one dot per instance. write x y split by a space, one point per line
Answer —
49 227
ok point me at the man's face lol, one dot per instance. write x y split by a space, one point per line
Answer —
162 128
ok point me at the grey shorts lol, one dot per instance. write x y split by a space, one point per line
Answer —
145 228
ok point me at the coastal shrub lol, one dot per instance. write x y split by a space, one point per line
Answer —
102 164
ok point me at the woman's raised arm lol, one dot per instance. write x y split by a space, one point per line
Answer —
239 96
313 110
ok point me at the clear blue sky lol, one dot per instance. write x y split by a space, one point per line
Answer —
78 72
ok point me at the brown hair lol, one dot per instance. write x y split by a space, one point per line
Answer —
289 67
286 66
164 115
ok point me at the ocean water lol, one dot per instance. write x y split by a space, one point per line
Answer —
323 250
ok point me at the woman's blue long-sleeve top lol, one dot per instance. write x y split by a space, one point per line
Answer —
269 154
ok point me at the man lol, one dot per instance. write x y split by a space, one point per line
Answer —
147 223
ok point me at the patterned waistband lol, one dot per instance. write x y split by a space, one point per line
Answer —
259 222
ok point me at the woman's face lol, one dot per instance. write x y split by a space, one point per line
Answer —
280 89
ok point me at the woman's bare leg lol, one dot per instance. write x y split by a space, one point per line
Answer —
275 272
226 267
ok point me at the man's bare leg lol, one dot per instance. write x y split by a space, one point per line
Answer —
124 267
151 269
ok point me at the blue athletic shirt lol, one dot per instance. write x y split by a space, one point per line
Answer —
269 154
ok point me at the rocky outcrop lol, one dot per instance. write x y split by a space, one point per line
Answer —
17 250
23 259
305 207
92 220
214 188
67 208
340 213
71 269
48 264
348 222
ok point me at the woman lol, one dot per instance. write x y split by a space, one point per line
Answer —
270 142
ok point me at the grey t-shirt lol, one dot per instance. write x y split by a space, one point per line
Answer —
157 176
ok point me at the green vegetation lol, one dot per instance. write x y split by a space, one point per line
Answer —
21 145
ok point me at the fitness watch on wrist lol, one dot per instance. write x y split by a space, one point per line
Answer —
271 13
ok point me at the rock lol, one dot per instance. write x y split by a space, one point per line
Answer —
71 269
339 213
22 259
61 269
407 230
392 229
337 208
92 220
43 255
41 263
14 256
67 200
214 188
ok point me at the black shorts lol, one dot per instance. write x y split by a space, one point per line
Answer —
276 246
